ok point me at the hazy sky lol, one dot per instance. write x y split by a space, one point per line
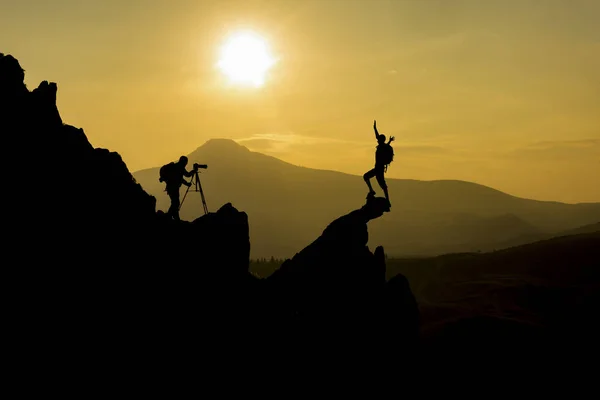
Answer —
504 93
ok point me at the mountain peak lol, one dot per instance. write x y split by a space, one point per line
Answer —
219 145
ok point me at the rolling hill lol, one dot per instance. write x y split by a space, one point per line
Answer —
289 205
552 282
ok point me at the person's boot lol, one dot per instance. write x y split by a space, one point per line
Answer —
387 197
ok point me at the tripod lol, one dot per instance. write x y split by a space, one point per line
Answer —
197 188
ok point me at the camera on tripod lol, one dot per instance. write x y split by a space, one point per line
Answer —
197 186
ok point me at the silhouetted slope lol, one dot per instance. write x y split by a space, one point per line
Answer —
548 289
590 228
95 270
336 281
537 236
429 217
87 250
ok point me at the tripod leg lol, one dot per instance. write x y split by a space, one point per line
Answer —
202 196
204 204
186 192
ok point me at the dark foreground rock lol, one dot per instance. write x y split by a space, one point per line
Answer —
95 271
337 284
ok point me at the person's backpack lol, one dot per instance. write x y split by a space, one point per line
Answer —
387 154
166 172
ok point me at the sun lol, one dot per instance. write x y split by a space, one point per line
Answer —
245 59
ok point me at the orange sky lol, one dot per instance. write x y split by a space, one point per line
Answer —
503 93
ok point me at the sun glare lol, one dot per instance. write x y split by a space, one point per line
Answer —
245 59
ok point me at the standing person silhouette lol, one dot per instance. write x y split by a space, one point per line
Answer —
173 175
383 156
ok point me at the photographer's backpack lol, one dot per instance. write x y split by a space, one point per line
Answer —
166 172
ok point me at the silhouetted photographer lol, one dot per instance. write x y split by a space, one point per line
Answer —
384 155
173 175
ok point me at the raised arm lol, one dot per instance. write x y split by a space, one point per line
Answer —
375 129
188 173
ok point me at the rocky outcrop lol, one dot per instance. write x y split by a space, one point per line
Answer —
337 285
83 232
90 253
335 269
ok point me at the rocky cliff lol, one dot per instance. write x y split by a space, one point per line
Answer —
96 268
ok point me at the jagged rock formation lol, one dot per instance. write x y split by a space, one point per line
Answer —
99 258
337 284
97 253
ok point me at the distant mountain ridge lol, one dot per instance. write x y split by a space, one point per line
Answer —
288 205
